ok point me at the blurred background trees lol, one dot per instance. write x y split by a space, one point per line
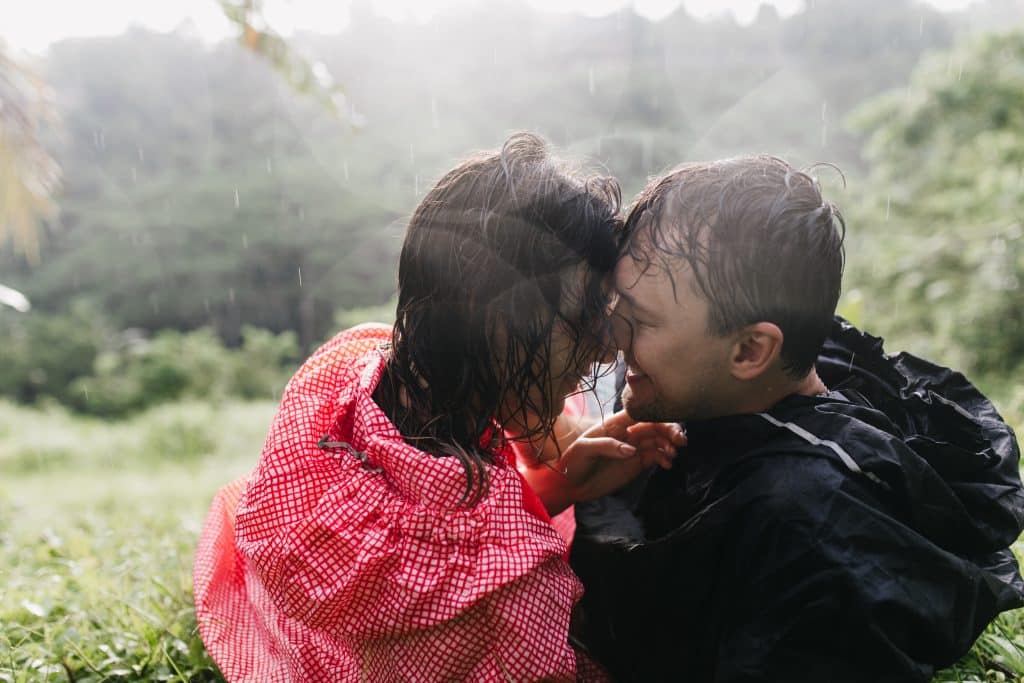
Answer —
947 174
238 187
28 173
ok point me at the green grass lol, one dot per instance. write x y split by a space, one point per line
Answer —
98 523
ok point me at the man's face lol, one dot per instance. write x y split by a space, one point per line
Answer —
677 371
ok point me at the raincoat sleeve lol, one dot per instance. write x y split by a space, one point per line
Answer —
841 596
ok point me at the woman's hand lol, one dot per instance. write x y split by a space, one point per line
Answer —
610 454
597 460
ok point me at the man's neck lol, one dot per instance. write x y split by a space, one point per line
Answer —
770 390
811 384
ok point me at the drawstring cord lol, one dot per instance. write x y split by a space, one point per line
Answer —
325 444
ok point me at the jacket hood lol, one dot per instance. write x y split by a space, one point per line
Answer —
950 455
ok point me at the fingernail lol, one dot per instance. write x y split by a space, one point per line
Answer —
626 449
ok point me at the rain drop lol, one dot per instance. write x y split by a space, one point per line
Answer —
824 124
888 201
344 169
237 203
231 294
416 185
920 26
270 168
300 275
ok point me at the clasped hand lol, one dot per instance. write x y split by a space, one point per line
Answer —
581 461
612 452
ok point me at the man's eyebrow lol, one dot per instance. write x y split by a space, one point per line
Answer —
634 304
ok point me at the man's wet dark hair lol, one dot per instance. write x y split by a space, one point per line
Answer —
507 246
762 243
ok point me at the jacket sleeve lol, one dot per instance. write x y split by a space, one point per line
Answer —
834 590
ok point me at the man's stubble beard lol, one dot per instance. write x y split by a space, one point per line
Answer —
653 411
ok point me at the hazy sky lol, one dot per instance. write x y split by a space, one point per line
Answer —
32 25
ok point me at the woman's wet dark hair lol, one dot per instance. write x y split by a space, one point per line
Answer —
505 247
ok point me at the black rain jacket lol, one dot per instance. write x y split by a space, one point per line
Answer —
862 535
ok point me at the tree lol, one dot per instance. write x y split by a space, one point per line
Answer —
28 174
313 80
948 206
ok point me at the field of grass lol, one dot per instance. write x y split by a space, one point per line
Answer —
98 522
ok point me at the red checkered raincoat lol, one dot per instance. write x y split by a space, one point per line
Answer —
357 563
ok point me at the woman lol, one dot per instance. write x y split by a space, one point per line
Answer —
398 524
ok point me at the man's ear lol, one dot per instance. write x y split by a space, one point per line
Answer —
757 348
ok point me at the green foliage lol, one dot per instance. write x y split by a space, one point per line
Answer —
41 354
941 262
28 174
997 655
263 363
312 80
202 190
193 364
347 318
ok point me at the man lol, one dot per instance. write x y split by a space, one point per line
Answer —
858 534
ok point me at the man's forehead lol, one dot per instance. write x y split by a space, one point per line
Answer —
644 260
645 267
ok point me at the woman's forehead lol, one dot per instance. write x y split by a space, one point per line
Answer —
574 285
